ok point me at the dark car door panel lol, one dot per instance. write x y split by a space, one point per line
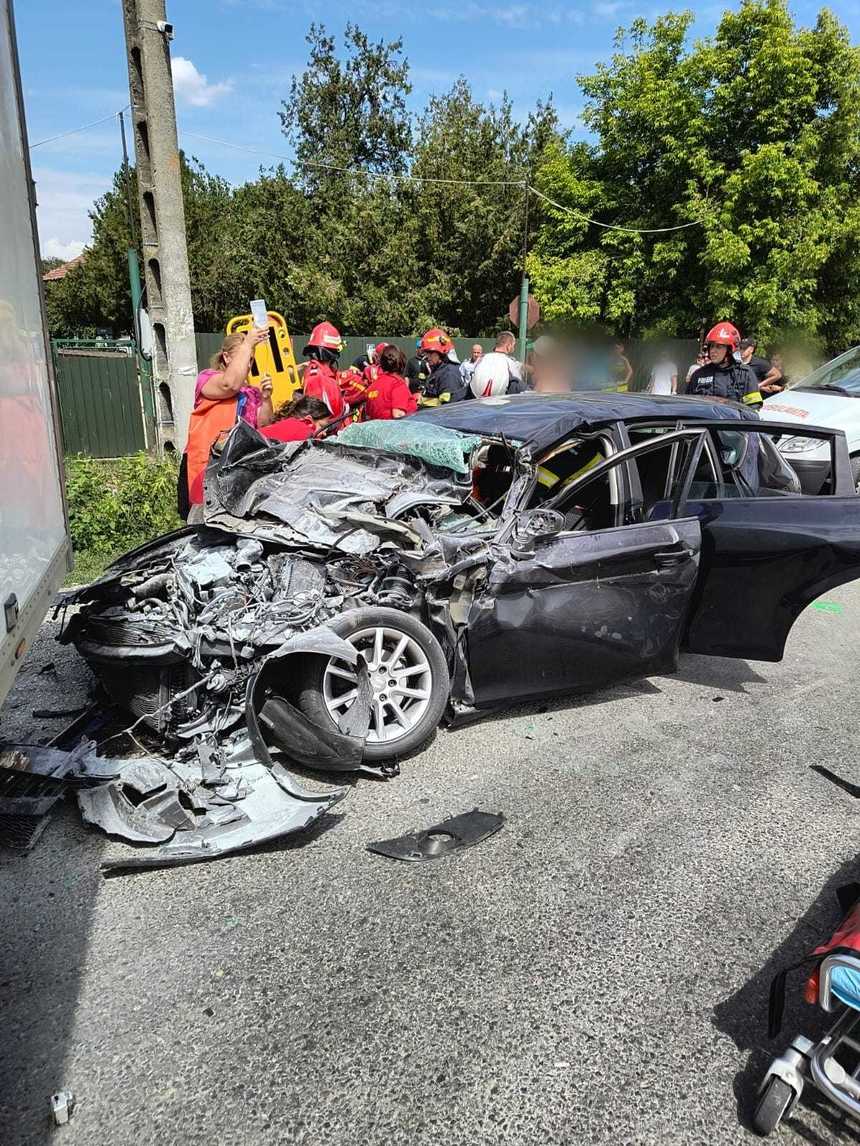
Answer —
763 561
764 558
583 609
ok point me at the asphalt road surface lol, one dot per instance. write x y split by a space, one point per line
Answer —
597 972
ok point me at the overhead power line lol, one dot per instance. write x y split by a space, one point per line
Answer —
387 176
408 178
452 182
76 130
614 226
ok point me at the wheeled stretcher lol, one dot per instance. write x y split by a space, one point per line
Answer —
832 1064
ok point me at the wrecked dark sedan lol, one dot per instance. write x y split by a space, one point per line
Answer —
344 595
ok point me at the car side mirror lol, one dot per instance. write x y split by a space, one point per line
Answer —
534 524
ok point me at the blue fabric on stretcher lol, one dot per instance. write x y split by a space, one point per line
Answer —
845 985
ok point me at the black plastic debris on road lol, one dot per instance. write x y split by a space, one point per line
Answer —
33 779
432 843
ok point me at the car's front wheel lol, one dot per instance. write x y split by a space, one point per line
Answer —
408 676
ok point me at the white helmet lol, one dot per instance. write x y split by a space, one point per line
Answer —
491 376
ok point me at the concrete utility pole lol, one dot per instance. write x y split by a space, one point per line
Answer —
162 216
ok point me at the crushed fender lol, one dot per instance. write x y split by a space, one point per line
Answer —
432 843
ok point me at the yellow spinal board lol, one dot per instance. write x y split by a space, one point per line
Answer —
274 357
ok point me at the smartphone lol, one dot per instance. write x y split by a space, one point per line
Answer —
258 312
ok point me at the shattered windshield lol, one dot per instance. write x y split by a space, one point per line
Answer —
437 445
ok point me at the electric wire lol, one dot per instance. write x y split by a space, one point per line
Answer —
77 130
615 226
403 177
451 182
388 176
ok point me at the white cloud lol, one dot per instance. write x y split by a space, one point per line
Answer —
509 15
64 200
54 248
193 87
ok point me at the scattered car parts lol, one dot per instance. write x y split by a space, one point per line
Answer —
432 843
62 1107
33 779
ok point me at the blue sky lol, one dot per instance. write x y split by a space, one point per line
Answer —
233 61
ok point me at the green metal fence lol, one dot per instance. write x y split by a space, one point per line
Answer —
100 399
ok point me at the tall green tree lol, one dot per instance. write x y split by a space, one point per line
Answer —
349 112
753 133
96 293
470 234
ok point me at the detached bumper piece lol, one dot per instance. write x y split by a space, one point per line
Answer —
202 818
33 779
459 832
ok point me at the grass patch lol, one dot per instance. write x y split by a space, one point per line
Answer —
116 504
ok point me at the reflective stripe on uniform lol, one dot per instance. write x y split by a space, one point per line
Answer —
445 397
547 478
752 399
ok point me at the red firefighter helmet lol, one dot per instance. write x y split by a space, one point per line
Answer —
319 382
378 349
436 339
724 334
324 336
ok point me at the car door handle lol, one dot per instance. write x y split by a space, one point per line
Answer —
669 557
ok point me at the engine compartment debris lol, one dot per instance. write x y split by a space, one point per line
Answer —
316 618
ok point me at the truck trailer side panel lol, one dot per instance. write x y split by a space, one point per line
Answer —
35 552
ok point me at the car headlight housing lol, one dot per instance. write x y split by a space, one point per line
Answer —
798 445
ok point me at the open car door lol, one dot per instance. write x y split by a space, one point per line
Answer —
582 597
765 555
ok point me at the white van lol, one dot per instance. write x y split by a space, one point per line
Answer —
829 397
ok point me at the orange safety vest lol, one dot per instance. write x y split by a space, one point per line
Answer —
210 418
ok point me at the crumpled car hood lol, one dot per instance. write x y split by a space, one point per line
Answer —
321 494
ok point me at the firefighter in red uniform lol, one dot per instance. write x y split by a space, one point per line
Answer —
320 377
355 383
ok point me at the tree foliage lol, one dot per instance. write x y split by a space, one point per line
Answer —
752 135
754 132
352 112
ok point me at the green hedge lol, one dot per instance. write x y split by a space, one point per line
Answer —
117 504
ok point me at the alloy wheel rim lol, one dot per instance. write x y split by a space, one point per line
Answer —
400 677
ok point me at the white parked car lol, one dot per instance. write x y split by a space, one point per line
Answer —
829 397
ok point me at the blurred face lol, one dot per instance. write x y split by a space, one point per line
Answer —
747 352
477 352
718 353
433 358
619 347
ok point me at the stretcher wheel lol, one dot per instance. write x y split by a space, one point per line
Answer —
775 1100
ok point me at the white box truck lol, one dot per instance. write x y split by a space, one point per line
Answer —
35 548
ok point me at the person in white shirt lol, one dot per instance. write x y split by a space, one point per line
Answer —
467 367
497 372
701 359
664 375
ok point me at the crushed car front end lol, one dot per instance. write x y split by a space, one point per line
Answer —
320 608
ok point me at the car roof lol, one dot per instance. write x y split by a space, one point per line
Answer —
540 420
